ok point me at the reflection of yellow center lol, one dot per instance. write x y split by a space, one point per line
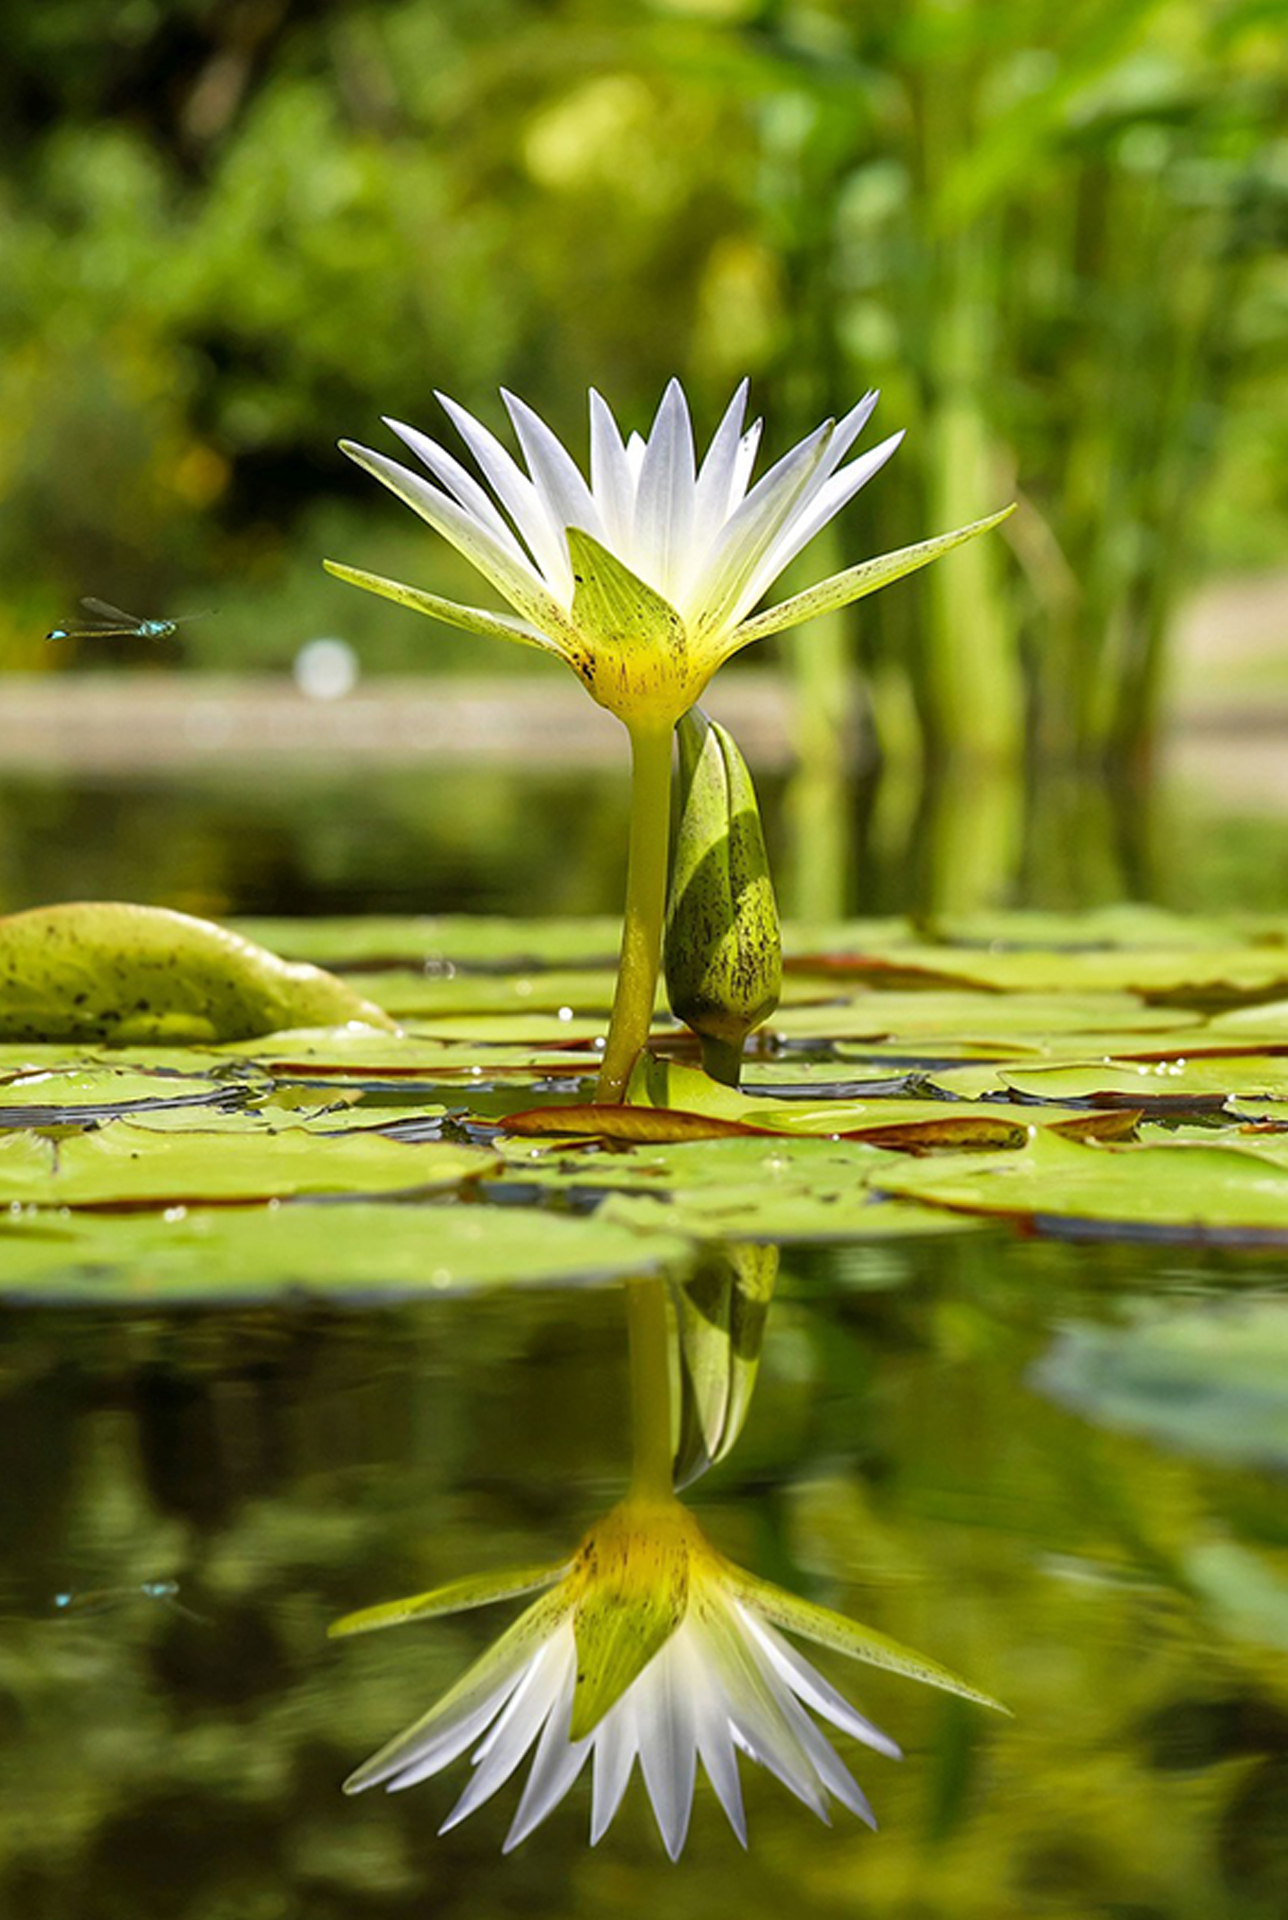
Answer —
630 1588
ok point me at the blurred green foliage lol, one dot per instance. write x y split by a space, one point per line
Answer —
233 232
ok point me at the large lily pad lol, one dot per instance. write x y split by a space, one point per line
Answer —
361 1253
128 1166
1185 1190
80 1095
743 1188
113 971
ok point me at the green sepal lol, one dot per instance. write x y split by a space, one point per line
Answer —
634 1575
498 626
842 589
458 1596
722 949
636 653
828 1629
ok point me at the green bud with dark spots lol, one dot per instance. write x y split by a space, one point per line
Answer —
722 952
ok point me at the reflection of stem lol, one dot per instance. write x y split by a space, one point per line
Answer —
650 1389
645 908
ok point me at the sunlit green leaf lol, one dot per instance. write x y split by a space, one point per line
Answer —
359 1252
127 1166
113 971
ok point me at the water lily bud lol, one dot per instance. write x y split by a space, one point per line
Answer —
722 952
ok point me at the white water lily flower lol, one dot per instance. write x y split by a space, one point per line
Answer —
648 1646
645 579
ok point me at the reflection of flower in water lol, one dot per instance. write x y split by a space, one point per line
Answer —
649 1645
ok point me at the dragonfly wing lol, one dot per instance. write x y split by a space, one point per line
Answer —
106 611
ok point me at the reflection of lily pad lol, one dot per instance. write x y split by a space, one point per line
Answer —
128 1166
1212 1381
358 1252
1188 1191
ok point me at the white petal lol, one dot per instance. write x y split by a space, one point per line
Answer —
517 494
716 476
810 517
474 498
850 426
557 1761
568 500
833 1772
668 1753
746 536
611 479
809 1684
513 578
744 461
664 499
478 1696
617 1741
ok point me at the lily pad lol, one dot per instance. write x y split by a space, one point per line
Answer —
360 1254
82 1095
1212 1381
127 1166
734 1189
670 1101
1184 1191
973 1016
112 971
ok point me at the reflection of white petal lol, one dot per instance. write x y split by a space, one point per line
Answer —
808 1683
558 1759
668 1753
513 1733
617 1742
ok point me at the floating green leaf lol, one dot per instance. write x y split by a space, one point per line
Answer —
360 1252
1186 1190
112 971
128 1166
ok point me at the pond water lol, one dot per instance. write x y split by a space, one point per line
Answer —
1048 1452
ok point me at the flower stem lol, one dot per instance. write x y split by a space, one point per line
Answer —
645 909
651 1475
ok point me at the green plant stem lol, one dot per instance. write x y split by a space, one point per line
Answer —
651 1473
645 909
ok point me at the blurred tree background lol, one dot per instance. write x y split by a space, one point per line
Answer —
236 229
